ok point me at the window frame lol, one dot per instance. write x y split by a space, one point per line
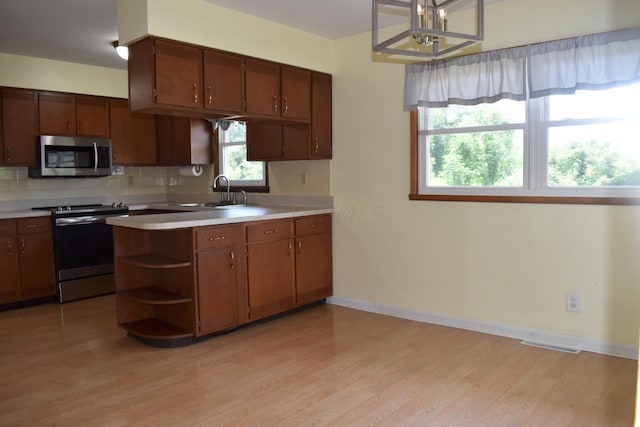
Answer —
217 167
535 188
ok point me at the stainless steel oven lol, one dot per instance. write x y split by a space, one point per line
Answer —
83 249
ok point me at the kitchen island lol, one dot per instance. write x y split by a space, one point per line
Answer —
183 276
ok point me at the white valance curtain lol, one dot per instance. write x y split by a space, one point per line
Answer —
596 61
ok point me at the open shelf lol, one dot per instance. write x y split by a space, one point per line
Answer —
154 295
154 261
155 329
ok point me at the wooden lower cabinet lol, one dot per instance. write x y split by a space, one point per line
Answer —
219 272
155 283
314 267
173 286
26 259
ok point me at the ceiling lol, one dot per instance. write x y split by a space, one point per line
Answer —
82 30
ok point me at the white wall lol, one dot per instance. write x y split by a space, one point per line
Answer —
504 264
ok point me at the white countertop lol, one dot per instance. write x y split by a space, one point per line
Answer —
23 214
212 216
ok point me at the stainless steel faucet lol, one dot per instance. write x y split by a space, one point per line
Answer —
225 198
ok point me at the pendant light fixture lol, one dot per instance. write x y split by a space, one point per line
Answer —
426 28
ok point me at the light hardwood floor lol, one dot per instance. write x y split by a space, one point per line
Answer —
69 365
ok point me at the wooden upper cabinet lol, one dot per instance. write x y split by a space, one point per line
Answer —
321 122
178 74
262 85
223 82
133 135
296 93
57 113
92 116
165 76
264 141
19 127
183 141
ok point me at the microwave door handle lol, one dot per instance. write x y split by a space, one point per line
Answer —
95 157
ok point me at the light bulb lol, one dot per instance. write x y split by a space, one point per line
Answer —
442 12
122 51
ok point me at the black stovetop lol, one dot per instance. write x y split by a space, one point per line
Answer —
62 210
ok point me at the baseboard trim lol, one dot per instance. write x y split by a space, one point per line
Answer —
554 339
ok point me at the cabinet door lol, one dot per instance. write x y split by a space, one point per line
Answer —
20 126
10 267
321 99
36 265
264 141
92 116
178 74
296 93
314 274
133 135
191 141
217 290
271 275
57 113
262 85
223 82
295 140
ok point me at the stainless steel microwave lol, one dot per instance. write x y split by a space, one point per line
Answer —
67 156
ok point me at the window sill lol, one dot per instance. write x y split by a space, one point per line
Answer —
238 188
626 201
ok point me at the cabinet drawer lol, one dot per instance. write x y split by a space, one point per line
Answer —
215 238
313 225
269 230
34 225
8 227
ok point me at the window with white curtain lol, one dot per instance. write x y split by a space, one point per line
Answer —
552 119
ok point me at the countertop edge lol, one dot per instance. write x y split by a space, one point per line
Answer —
23 214
187 219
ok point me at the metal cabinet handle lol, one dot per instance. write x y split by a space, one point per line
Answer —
271 231
210 99
216 238
315 147
286 106
68 124
22 245
299 246
195 93
233 259
9 247
31 226
290 248
7 153
275 103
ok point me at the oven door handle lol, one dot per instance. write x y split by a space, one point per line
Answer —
83 220
95 157
79 220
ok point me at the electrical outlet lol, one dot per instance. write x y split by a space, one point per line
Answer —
573 302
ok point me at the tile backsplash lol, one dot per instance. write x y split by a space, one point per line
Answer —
18 190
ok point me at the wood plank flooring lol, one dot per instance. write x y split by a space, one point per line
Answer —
69 365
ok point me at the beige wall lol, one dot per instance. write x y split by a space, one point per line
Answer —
504 264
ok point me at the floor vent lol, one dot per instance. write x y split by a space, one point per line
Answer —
551 347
